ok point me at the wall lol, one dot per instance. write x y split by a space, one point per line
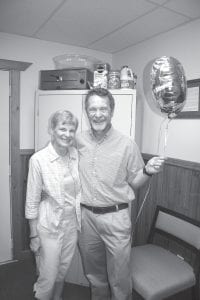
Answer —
183 134
182 43
40 54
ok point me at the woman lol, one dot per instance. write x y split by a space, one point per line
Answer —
53 205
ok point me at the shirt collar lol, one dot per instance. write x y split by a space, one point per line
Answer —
53 155
107 135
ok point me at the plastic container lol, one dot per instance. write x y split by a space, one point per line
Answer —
68 61
126 78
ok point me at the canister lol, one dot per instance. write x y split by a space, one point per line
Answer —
114 79
101 76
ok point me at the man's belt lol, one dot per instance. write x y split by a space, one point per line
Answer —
107 209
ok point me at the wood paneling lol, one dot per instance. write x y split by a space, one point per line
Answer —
177 188
24 159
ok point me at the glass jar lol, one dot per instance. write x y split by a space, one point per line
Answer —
114 79
100 79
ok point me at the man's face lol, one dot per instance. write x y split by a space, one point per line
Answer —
99 114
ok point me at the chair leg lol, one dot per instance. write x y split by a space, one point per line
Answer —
195 292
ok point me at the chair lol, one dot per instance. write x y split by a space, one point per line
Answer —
158 272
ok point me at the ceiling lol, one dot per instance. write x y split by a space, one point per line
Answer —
104 25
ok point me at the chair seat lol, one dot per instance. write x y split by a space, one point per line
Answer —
157 273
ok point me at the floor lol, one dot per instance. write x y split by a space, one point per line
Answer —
16 282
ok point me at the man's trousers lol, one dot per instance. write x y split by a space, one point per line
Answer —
105 245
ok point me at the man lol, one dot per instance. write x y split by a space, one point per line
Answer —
111 167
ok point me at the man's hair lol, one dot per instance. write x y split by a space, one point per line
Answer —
102 93
65 116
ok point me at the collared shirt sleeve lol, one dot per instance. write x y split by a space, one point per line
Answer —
34 189
135 162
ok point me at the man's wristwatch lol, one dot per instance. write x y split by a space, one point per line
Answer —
145 172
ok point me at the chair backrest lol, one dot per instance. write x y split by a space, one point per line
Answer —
179 228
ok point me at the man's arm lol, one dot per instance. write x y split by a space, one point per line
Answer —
153 166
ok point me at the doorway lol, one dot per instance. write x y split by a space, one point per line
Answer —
5 211
11 213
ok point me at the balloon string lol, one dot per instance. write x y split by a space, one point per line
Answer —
166 135
139 212
160 135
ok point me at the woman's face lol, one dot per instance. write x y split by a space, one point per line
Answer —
63 135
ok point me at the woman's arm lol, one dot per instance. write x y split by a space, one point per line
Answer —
34 189
33 227
33 198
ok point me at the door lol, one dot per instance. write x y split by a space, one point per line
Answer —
5 211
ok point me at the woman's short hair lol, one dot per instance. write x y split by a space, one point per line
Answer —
102 93
65 116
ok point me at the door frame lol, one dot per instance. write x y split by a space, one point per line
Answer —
14 68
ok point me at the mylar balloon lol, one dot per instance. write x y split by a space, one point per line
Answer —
168 85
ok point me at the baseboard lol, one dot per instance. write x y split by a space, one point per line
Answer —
8 262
